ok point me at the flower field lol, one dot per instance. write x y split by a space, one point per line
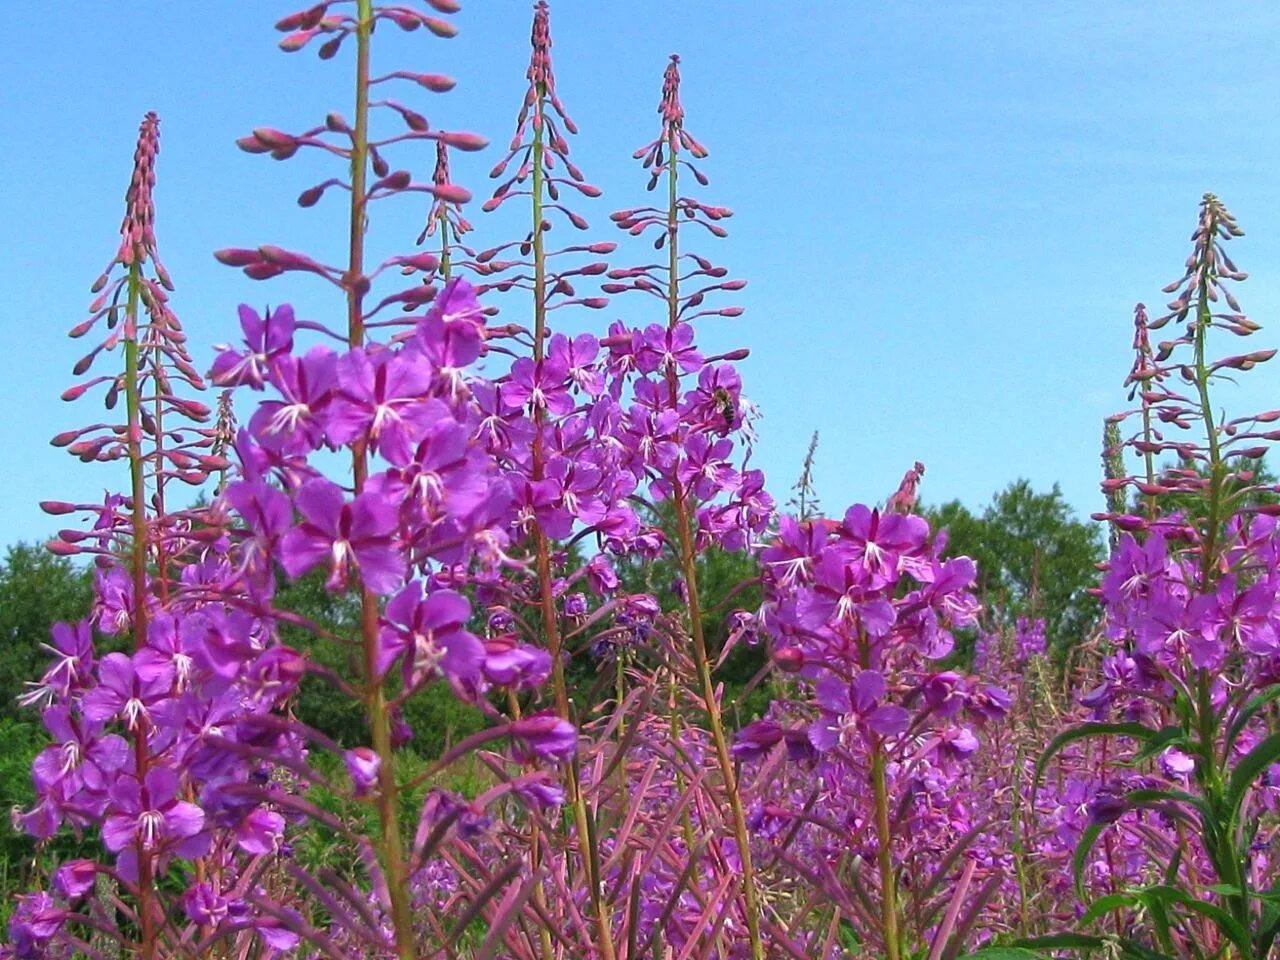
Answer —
461 623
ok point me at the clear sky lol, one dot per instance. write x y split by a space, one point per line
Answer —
946 210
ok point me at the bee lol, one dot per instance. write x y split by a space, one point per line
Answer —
725 406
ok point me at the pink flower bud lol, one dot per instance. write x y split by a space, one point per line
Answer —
296 41
435 82
788 659
451 193
237 257
465 141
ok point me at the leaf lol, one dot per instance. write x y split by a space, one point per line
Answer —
1249 769
1269 926
1159 800
1249 711
1087 840
1004 953
1104 905
1165 737
1067 941
848 937
1229 925
1086 730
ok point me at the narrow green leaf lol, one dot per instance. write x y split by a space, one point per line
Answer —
1087 730
1087 841
1160 800
1166 737
1063 941
1250 767
1227 924
1104 905
1249 711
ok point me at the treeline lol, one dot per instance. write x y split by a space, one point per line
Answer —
1035 558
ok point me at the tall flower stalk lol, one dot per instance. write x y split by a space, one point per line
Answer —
539 146
1188 598
663 158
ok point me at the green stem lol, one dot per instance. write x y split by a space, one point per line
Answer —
138 517
542 547
884 855
391 845
446 263
689 570
133 411
1211 771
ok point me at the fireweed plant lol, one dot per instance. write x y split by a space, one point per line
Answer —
1186 811
473 481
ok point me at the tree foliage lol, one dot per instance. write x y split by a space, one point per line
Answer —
37 590
1034 559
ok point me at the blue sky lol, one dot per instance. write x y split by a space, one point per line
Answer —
946 211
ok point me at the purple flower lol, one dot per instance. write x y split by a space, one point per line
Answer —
75 878
511 664
540 386
545 736
381 396
578 356
846 706
432 629
666 350
293 426
756 739
266 339
204 906
72 649
349 535
125 692
260 831
149 813
362 766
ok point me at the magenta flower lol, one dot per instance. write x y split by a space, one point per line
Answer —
449 346
222 641
511 664
266 338
75 878
381 396
293 426
362 766
124 692
668 350
72 649
444 474
82 757
149 813
578 357
704 470
356 535
432 630
539 386
878 541
261 831
544 736
846 707
457 303
203 905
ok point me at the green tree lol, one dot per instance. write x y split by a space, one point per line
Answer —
37 590
727 582
1034 559
436 714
